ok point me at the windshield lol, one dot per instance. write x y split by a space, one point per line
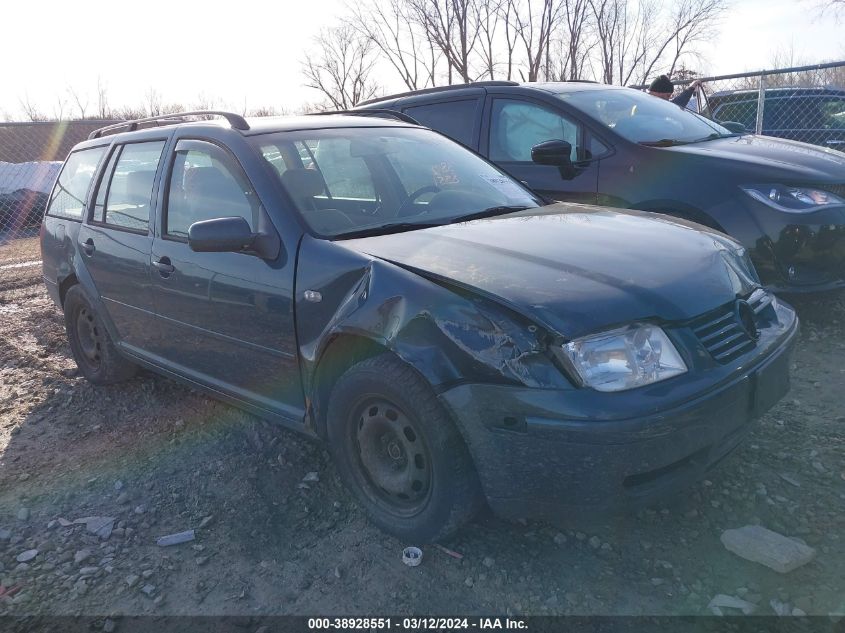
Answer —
643 118
346 181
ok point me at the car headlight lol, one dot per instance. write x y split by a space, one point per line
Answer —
792 199
626 358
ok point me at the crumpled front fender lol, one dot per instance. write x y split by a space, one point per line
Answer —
448 334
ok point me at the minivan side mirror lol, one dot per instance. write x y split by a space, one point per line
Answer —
224 235
558 153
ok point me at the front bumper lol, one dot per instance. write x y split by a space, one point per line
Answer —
544 453
799 252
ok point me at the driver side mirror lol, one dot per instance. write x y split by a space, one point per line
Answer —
557 153
231 235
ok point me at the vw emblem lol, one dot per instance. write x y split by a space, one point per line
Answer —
745 315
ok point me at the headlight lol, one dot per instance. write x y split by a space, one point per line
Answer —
792 199
625 358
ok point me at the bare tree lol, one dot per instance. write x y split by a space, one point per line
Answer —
574 47
81 103
390 27
452 27
103 110
30 110
340 67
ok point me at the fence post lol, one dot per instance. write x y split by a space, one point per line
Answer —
761 104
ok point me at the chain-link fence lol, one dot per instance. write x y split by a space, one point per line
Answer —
805 103
30 159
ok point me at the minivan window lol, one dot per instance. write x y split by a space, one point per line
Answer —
68 198
205 185
643 118
455 119
517 126
129 196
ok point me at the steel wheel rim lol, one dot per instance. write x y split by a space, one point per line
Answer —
89 336
393 459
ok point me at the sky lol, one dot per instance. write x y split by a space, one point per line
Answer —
249 52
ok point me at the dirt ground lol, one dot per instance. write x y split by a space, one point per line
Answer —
161 459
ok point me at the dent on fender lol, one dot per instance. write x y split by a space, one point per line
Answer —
448 334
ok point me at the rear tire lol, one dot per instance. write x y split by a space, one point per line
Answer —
92 347
399 452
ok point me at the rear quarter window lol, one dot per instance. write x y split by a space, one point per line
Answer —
68 197
455 119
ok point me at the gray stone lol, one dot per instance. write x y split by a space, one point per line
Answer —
80 587
26 556
780 608
5 534
560 538
760 545
148 589
132 579
108 626
122 498
312 476
488 562
723 601
23 514
81 556
595 542
101 526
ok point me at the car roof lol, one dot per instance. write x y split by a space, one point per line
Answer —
554 87
255 126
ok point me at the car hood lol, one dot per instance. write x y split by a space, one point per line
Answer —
791 158
577 269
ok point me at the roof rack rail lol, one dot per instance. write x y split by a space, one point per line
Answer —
475 84
235 120
376 112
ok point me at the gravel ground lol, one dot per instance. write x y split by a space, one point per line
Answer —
276 532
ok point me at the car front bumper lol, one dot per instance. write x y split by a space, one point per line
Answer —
799 252
553 454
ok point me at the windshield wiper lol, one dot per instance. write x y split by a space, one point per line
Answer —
384 229
399 227
665 142
488 213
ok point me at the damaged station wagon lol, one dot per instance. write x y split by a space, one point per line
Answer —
372 283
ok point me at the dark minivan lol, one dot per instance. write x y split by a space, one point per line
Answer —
376 285
783 200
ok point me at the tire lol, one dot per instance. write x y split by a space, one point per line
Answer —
92 347
390 438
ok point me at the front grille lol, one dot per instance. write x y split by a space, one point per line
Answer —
721 332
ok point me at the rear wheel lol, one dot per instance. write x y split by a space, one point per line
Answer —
399 452
92 347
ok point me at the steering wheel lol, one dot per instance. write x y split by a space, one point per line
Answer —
414 195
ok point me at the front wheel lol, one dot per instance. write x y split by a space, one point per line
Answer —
399 452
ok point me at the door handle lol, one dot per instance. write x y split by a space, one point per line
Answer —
164 266
88 247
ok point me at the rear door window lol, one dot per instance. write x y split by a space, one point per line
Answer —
455 119
68 197
127 200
